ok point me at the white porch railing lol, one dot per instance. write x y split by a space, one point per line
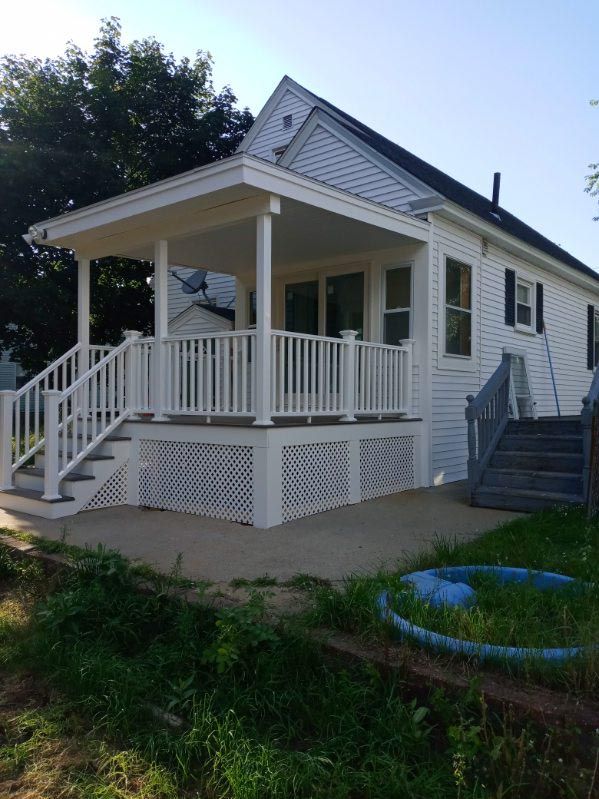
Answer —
307 375
97 352
213 374
383 376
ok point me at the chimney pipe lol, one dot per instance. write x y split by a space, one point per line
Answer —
495 200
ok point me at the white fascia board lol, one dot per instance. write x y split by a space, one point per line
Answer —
283 182
188 185
324 119
242 169
517 247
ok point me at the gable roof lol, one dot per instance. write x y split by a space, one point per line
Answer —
447 186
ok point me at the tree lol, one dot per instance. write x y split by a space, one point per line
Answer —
592 180
75 130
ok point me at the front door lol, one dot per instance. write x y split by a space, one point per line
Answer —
301 307
345 304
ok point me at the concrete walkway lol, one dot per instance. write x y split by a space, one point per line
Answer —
330 545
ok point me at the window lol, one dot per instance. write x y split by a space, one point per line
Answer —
344 309
301 307
596 338
524 314
398 304
458 308
252 309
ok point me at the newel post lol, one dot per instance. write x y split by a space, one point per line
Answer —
7 404
131 370
51 457
408 345
472 458
586 420
349 374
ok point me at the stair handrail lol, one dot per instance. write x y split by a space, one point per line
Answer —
77 409
487 417
590 460
27 402
48 370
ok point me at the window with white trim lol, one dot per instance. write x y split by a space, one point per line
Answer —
524 304
596 337
397 309
458 308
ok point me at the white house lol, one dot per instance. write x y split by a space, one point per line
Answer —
373 293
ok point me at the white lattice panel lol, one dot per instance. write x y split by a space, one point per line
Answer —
386 466
206 479
113 492
315 477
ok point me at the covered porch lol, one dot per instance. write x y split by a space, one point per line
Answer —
292 244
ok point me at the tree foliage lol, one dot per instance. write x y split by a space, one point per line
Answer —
592 180
75 130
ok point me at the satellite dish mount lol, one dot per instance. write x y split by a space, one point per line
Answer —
194 283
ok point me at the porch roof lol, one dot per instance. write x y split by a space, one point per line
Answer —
207 216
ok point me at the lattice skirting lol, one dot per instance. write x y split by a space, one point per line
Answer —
113 492
315 477
206 479
386 466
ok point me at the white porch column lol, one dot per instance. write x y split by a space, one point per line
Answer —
263 317
83 312
160 327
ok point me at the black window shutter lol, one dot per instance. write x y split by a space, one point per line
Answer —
539 313
510 297
590 337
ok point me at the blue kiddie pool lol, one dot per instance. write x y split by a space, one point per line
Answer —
450 586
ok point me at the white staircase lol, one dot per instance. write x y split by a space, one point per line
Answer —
58 434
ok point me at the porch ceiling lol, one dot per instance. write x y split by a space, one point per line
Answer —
208 217
301 233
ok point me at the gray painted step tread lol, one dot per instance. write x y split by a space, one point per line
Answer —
551 496
111 438
531 472
37 471
93 457
536 454
30 493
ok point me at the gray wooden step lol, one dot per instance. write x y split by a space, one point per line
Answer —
527 501
537 480
544 426
537 461
30 493
541 443
111 437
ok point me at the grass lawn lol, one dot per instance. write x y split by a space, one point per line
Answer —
109 692
560 541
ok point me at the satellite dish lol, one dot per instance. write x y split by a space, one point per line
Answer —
194 283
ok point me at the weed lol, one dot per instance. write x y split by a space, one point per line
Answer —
266 581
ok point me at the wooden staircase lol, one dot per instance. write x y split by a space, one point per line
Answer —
537 464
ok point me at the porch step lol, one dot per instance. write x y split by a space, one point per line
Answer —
72 477
537 461
32 494
111 437
525 500
541 442
32 477
527 479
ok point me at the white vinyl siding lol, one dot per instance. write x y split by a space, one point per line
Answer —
565 313
221 291
326 157
273 135
197 320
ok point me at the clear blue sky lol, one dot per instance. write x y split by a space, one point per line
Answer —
470 86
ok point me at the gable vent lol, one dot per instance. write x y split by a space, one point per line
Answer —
287 120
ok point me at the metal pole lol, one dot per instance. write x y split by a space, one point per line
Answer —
551 369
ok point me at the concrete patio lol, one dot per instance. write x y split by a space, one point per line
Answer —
329 545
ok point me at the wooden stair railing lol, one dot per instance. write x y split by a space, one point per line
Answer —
487 416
